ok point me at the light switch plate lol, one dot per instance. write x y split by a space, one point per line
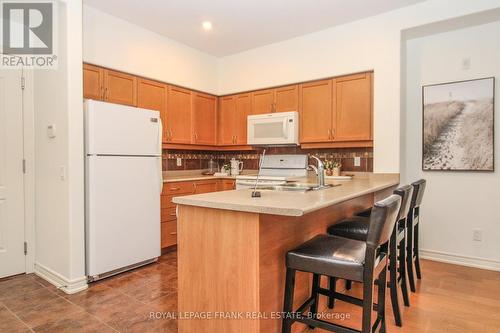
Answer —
179 161
357 161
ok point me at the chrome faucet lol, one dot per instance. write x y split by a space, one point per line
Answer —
320 172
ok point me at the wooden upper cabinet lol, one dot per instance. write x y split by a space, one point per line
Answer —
120 88
262 101
243 110
204 119
93 78
152 95
226 120
353 112
287 98
316 111
179 106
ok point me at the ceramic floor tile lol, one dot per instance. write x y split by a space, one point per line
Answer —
9 323
51 311
27 301
81 322
15 286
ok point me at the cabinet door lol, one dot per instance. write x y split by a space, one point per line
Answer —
243 110
153 95
353 114
206 186
120 88
93 82
179 115
227 120
204 119
316 111
287 99
263 101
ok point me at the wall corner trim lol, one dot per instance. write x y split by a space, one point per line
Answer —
457 259
61 282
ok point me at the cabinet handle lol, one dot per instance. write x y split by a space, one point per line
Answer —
333 134
173 214
196 136
171 135
174 188
106 94
329 134
102 93
173 233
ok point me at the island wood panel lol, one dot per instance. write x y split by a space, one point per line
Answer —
218 268
93 82
279 234
287 98
235 261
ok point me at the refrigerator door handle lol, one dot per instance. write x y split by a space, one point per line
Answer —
160 158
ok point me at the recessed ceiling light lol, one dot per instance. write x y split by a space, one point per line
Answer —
207 25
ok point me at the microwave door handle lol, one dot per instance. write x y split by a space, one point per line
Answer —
285 128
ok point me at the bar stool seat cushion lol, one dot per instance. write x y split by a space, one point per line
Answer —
355 227
330 255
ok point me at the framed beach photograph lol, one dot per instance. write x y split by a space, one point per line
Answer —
458 126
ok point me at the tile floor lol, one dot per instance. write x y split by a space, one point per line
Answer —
119 304
450 299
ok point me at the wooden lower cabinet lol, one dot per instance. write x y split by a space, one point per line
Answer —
177 189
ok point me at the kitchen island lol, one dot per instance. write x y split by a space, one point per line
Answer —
231 250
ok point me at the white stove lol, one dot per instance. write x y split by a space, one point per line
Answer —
275 170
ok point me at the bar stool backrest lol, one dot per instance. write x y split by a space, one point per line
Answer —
382 220
418 193
406 193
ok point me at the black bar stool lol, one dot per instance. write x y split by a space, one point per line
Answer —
344 258
412 255
357 228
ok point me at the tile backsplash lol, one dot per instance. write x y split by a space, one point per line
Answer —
196 160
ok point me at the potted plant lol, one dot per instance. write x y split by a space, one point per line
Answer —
226 168
332 168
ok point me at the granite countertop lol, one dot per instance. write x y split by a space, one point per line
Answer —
291 203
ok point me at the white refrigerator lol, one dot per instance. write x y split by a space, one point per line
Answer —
123 185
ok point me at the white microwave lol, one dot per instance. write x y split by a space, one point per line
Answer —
281 128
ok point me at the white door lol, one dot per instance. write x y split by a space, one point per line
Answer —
12 259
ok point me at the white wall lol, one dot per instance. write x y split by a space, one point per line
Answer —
455 203
59 221
372 43
112 42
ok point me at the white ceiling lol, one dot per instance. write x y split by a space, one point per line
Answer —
240 25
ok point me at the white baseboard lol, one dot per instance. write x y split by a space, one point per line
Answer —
62 283
457 259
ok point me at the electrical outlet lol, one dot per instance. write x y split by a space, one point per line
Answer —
357 161
477 235
179 161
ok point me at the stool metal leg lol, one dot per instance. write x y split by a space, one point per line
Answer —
409 252
332 282
382 283
416 250
402 269
288 302
393 279
315 295
348 284
367 304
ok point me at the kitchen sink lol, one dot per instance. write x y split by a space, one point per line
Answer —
296 187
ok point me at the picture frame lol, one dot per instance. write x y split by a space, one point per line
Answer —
458 126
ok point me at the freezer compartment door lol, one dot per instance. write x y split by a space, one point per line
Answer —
122 212
113 129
